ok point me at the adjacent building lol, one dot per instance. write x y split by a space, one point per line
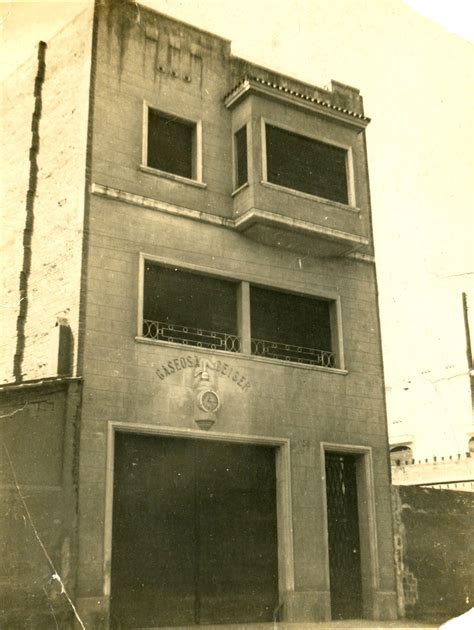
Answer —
193 393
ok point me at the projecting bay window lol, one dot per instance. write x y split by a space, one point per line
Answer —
172 146
190 308
306 165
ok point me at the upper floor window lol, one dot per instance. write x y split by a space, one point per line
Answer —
171 144
307 165
240 156
194 309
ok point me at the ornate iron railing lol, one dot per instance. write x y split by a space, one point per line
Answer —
202 338
188 336
295 354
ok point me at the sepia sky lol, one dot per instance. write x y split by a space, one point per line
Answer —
416 78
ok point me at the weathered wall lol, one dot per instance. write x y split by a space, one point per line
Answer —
433 541
54 146
17 108
142 56
38 493
306 405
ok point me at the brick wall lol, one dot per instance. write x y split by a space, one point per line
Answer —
38 495
433 541
143 56
58 202
307 406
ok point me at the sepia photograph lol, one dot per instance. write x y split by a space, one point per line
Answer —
236 315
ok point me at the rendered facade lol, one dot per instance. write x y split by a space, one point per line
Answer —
193 344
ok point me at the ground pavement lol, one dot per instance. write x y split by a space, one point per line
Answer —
359 624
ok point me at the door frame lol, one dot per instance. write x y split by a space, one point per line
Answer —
370 573
286 578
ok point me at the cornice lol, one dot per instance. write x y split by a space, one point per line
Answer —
257 85
239 224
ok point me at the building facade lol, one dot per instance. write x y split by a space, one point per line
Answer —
197 261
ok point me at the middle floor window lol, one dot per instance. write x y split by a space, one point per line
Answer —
190 308
194 309
290 327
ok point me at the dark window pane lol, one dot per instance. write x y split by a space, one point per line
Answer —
306 165
297 327
241 156
190 308
170 144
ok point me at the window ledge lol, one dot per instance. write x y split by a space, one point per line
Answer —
240 356
172 176
237 190
298 193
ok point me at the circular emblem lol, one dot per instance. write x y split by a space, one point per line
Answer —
208 401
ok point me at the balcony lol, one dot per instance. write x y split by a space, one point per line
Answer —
225 315
197 337
213 340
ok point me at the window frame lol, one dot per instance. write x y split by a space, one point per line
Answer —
352 203
235 176
244 283
196 148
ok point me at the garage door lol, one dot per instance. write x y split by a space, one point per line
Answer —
194 537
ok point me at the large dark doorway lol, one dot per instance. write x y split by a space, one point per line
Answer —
343 533
194 538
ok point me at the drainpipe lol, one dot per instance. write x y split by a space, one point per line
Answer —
29 218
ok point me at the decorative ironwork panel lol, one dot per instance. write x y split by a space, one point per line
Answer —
295 354
199 337
343 533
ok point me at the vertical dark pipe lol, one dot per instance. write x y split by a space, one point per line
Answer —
470 365
30 217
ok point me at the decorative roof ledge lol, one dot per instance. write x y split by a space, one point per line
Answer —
257 85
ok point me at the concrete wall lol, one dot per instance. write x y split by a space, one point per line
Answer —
433 540
38 493
306 405
130 55
58 148
143 56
